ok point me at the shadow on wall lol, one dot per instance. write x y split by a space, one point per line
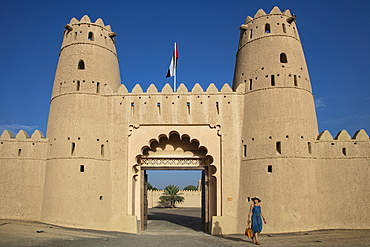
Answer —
217 230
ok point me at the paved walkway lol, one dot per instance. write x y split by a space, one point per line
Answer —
167 228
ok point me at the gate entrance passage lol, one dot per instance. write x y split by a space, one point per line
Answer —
207 185
151 149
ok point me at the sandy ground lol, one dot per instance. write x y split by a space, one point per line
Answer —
167 227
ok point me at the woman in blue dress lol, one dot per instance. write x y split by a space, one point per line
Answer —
254 216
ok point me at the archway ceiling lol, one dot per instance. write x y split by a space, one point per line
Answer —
174 146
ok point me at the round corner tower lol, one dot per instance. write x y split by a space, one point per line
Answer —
78 167
279 118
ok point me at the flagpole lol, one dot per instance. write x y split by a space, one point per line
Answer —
175 69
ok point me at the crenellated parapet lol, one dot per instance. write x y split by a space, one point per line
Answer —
100 88
22 146
86 32
195 106
343 145
275 23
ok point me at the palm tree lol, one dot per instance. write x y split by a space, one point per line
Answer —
172 195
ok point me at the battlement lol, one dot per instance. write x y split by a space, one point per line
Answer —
22 135
343 136
23 146
275 11
263 25
85 20
82 32
99 88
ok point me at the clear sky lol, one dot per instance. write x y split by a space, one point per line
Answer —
334 34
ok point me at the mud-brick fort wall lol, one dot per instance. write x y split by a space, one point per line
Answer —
343 179
22 169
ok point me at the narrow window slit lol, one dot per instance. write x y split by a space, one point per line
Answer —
284 28
295 81
98 87
250 84
267 28
19 152
73 148
217 109
309 148
91 36
188 107
245 150
159 108
344 151
78 86
269 169
82 168
102 150
278 147
272 80
132 108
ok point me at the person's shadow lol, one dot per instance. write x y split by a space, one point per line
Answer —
217 230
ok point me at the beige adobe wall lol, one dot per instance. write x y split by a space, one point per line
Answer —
192 199
22 171
343 180
129 112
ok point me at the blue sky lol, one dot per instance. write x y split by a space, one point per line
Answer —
334 34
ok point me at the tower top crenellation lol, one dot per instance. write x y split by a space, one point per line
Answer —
275 11
85 20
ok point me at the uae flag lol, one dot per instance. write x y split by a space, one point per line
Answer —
173 66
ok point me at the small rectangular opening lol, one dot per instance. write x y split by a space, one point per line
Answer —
251 34
309 148
98 87
82 168
188 106
73 148
78 86
19 152
217 109
102 150
278 147
295 81
132 108
284 29
272 80
250 84
344 151
269 168
159 108
245 150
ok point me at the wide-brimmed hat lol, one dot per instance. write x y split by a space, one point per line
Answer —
256 198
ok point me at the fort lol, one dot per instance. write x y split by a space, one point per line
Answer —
90 169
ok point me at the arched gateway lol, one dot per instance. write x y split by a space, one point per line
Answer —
177 148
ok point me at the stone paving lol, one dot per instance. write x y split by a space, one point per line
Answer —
167 227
